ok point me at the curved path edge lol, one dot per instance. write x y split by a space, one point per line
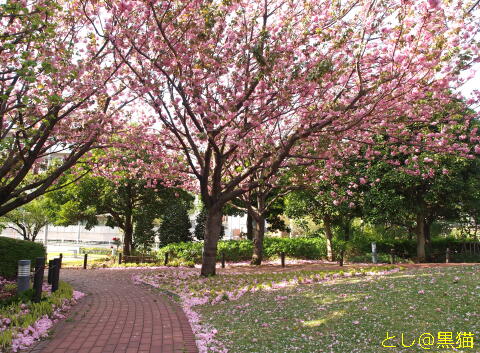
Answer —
118 316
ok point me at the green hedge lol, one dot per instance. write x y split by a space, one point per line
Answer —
12 250
435 251
299 248
315 248
97 251
242 250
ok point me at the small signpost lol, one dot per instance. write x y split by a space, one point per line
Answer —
374 253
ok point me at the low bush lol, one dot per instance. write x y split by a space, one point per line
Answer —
12 250
19 313
299 248
180 263
314 248
187 251
235 250
436 250
97 251
242 250
381 259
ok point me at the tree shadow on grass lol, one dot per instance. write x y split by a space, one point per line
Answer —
353 315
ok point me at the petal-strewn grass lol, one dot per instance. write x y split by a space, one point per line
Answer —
354 314
194 291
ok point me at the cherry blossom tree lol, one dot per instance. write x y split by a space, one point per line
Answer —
403 180
257 202
265 80
56 94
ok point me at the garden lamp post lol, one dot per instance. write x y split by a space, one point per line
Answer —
23 278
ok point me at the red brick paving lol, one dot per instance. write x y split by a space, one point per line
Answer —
118 316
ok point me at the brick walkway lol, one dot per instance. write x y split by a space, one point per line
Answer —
118 316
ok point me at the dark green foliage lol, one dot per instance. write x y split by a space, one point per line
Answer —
200 225
200 221
406 249
273 216
12 250
189 251
300 248
175 226
128 204
24 297
241 250
143 233
313 248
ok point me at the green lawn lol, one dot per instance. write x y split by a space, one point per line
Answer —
354 314
70 261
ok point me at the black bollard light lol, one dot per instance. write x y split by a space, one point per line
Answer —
23 277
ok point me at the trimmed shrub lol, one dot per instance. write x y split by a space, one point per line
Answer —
242 250
12 250
96 251
299 248
175 226
314 248
436 251
187 251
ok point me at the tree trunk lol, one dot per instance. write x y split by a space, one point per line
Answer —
128 235
346 237
258 236
420 230
213 229
249 227
329 237
428 245
34 234
426 231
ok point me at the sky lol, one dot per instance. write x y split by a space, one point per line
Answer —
471 85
